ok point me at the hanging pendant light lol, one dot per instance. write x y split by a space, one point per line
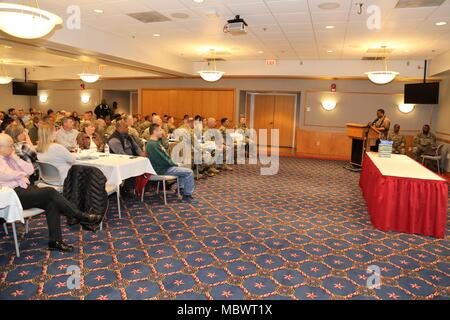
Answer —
211 75
382 77
89 77
4 78
26 22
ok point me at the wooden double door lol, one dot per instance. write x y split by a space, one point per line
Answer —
275 112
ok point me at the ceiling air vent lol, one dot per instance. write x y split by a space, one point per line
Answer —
373 58
215 59
418 3
149 17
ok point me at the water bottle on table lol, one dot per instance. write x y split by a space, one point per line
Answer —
107 150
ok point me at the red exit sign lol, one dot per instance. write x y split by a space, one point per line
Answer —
271 62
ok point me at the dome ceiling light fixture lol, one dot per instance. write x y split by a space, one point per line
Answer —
211 75
27 22
384 76
89 77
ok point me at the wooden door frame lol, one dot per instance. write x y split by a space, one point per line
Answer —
252 108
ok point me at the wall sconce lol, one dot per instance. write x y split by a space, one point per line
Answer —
329 105
406 107
43 98
85 98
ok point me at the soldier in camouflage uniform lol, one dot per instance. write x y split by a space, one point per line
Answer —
399 141
424 143
224 125
244 131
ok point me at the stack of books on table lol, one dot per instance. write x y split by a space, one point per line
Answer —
385 149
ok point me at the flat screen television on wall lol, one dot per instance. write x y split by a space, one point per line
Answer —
422 93
25 88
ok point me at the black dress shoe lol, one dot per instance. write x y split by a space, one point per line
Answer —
59 246
90 218
90 227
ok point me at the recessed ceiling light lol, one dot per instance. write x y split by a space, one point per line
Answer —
260 51
156 35
98 10
329 27
7 47
441 23
330 51
329 5
198 1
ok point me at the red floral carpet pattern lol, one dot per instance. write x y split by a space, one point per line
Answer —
303 234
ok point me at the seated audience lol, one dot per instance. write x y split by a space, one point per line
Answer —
33 129
185 122
424 143
67 135
144 124
169 126
120 141
76 119
88 138
164 140
133 132
54 153
2 116
88 116
24 147
399 141
163 164
14 174
224 125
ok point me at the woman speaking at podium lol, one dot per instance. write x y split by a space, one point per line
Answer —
381 124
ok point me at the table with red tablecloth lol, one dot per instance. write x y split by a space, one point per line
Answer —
404 196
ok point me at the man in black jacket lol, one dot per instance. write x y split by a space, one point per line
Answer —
120 142
103 110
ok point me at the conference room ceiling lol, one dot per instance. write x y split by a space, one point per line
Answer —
280 29
43 64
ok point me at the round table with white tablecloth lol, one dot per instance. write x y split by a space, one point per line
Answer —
10 207
117 168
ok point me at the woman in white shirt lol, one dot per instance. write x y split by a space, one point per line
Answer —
54 153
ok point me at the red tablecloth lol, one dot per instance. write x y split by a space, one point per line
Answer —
404 204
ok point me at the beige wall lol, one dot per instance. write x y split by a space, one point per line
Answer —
7 100
67 99
121 97
443 114
443 120
357 99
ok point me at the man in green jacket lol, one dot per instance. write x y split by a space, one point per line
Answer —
163 164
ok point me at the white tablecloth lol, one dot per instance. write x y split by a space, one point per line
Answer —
118 168
402 166
10 206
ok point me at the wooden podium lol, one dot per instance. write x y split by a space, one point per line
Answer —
362 136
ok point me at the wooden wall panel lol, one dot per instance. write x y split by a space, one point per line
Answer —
178 102
284 119
331 145
226 98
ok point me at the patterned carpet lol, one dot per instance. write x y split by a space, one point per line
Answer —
304 234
